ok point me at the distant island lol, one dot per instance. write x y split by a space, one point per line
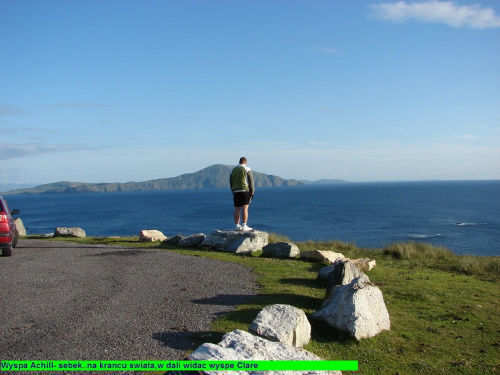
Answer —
213 177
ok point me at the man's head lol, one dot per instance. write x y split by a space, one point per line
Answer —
243 160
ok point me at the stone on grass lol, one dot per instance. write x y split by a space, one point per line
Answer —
343 272
20 229
283 323
281 250
321 255
192 240
151 235
235 241
243 346
70 232
364 264
324 272
174 240
357 308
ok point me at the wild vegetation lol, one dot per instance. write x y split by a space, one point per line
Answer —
444 308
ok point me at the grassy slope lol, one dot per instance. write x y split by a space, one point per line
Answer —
444 318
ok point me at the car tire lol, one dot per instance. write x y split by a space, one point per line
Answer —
16 238
7 251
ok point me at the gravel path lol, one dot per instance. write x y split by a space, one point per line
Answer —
83 302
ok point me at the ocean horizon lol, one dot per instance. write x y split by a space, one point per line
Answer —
459 215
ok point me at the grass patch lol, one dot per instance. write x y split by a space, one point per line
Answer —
444 308
429 256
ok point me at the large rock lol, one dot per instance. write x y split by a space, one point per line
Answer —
283 323
20 229
364 264
357 308
192 240
236 241
322 255
174 240
69 232
324 272
346 272
243 346
151 235
281 250
343 273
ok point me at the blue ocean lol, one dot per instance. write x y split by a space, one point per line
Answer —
463 216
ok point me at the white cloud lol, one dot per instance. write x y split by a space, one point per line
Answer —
362 162
10 110
78 105
474 137
315 143
25 130
448 12
13 151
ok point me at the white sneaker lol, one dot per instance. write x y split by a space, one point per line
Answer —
238 227
246 228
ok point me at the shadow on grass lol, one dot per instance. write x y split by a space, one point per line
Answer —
186 341
322 332
299 301
224 299
308 283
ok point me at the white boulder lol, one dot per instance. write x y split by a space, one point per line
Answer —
151 235
20 229
234 241
322 255
357 308
243 346
364 264
70 232
283 323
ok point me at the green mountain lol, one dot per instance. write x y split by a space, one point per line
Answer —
213 177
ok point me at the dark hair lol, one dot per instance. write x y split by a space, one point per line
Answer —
243 160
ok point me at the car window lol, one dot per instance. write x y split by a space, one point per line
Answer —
5 207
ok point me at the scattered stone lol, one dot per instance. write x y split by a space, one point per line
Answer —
364 264
283 323
174 240
69 232
322 256
151 235
20 229
324 272
243 346
281 250
234 241
192 240
357 308
343 272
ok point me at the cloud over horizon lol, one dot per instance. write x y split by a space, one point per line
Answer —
13 151
446 12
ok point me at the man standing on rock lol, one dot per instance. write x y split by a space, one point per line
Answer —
242 186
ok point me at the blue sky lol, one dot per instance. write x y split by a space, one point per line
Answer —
123 90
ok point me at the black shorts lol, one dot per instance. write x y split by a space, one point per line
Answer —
242 198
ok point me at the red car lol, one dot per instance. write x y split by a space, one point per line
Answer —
8 233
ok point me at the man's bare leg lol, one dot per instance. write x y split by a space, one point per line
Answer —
237 215
244 214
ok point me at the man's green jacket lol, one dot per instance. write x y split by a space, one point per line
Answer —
241 179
